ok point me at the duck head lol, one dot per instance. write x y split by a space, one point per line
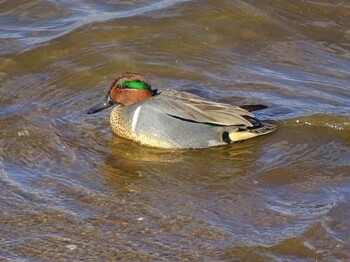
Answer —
126 89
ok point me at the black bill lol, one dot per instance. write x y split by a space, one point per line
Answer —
107 103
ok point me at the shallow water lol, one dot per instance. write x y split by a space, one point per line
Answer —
71 190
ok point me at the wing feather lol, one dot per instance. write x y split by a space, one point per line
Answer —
194 108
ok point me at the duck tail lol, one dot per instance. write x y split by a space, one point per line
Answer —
262 129
251 108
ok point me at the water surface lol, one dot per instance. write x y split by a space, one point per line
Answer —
72 190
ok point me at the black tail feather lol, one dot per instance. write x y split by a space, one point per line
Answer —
251 108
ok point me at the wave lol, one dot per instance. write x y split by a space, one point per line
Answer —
20 32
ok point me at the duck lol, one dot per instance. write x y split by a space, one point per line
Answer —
174 119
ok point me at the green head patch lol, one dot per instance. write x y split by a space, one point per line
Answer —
134 84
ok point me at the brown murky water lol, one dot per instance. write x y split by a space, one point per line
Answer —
71 190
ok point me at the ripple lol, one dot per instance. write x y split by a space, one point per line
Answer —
62 19
341 123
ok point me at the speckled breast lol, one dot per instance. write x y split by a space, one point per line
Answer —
126 122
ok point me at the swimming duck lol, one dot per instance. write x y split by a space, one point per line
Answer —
173 119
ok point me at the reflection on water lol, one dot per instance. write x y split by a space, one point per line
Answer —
70 189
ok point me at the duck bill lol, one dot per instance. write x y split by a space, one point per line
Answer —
97 108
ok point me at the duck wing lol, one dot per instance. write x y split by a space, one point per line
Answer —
193 108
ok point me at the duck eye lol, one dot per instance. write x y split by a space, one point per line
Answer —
119 86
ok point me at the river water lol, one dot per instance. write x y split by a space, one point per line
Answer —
70 190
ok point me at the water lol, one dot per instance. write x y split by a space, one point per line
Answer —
71 190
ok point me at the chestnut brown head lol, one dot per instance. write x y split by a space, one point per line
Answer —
126 89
